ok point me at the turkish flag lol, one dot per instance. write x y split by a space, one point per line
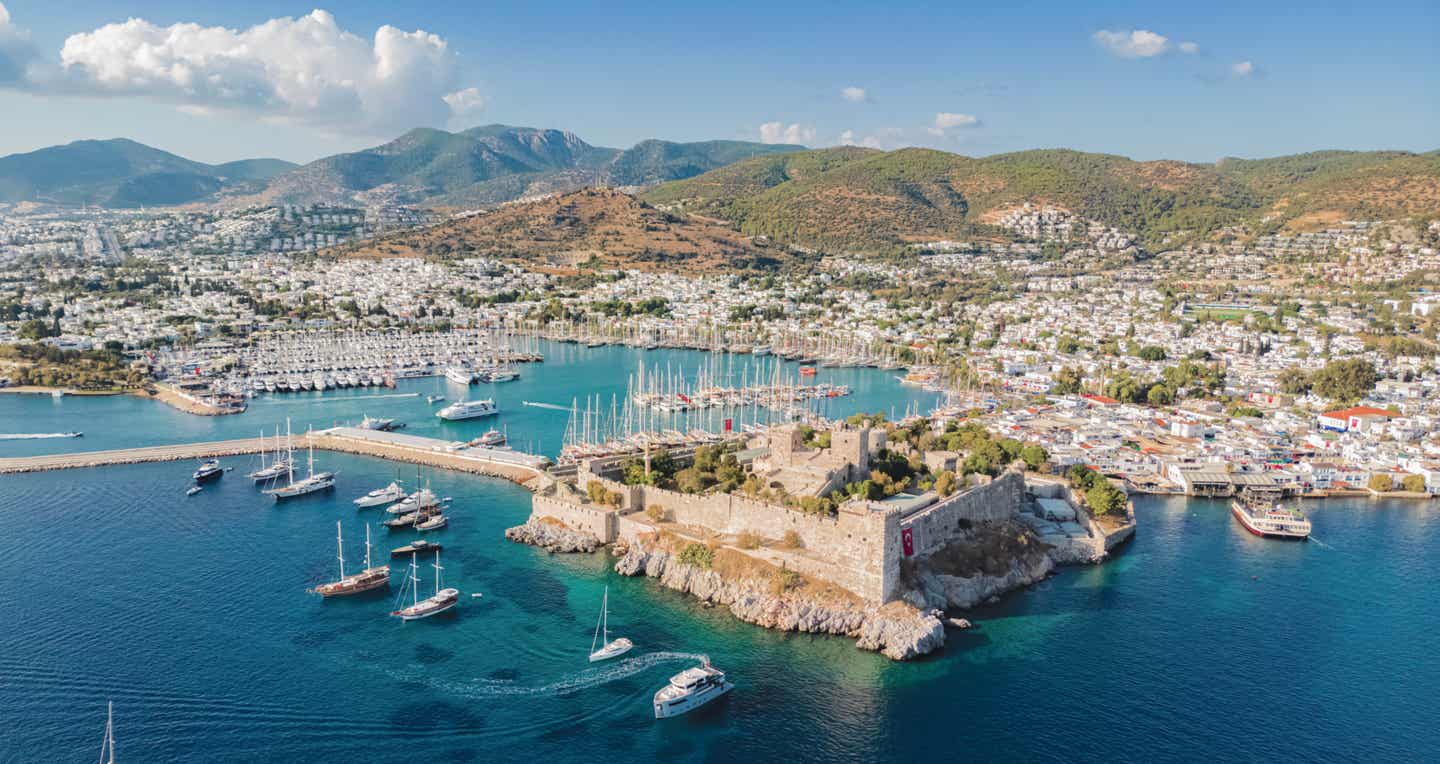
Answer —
907 541
729 423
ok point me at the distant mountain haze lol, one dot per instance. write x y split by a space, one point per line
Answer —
122 173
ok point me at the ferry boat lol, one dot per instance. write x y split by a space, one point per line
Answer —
468 410
490 438
419 545
459 376
209 470
386 495
439 602
691 689
1270 520
370 578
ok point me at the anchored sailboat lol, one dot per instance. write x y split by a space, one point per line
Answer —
602 635
311 483
439 602
372 577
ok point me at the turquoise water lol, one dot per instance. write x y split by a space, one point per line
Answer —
569 372
1198 642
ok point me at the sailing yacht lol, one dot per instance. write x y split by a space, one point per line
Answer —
439 602
311 483
602 635
107 746
280 466
371 577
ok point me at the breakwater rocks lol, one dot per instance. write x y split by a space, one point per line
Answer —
896 630
552 537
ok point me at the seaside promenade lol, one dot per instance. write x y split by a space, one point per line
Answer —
431 452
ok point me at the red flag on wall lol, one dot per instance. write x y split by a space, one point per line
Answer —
908 541
729 423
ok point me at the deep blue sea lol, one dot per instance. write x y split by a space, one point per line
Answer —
1197 642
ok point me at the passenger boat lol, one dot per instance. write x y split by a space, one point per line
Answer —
490 438
371 577
468 410
386 495
419 545
1270 520
439 602
691 689
209 470
608 648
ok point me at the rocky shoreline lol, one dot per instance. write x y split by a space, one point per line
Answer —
896 630
552 537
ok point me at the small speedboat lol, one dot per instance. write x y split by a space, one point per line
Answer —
434 399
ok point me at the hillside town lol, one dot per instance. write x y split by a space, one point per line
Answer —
1306 358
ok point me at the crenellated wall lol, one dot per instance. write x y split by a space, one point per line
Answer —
859 549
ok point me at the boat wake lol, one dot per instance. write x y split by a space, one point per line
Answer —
37 435
582 680
551 406
336 399
1321 544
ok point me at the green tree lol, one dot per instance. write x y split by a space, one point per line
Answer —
1345 381
1413 483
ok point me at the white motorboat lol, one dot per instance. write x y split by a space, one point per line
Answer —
433 523
387 495
609 648
459 376
691 689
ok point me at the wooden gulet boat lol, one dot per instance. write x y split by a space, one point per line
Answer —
372 577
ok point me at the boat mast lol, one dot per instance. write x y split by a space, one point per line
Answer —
367 546
107 746
414 580
437 571
340 548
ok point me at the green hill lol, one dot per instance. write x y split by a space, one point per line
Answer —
120 173
853 199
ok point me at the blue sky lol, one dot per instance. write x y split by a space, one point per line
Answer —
1146 80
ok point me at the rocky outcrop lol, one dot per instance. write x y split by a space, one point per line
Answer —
552 537
941 590
898 631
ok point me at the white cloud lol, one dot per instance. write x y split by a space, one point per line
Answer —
946 120
17 54
1189 47
848 138
465 102
1137 43
853 94
1242 69
303 70
779 132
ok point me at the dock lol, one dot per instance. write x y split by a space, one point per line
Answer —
515 466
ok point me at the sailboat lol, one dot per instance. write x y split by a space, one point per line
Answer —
602 635
372 577
107 746
280 466
439 602
311 483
